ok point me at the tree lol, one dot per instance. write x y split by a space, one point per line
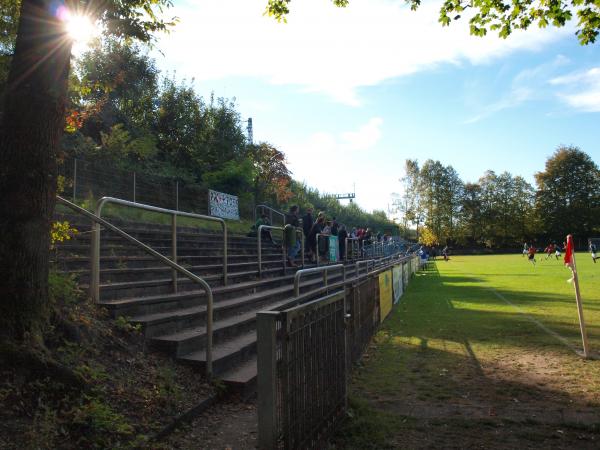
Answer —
32 123
411 200
440 194
9 15
271 176
500 15
568 195
471 217
118 84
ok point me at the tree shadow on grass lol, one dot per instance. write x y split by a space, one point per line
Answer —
441 307
458 367
420 396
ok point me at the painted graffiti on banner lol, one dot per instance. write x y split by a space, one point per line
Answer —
223 205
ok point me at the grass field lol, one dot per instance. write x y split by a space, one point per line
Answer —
481 352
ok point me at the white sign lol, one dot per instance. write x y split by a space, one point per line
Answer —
397 282
223 205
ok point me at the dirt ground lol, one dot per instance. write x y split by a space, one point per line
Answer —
229 425
451 399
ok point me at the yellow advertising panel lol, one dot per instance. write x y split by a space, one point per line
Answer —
385 293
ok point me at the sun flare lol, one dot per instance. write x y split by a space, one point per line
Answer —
81 28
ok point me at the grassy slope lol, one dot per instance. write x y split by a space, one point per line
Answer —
455 355
124 394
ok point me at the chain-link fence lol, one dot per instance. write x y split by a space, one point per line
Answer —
84 182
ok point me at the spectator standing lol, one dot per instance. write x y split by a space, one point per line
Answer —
307 222
334 227
291 241
312 236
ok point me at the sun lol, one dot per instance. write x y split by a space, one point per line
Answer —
80 28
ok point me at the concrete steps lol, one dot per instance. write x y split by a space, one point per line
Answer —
140 288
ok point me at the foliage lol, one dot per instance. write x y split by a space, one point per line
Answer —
234 177
568 195
63 288
501 16
496 211
99 418
9 16
279 8
428 237
350 215
122 323
119 145
271 175
60 232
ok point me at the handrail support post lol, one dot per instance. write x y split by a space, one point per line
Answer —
174 250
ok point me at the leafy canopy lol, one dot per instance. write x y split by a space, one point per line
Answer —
500 15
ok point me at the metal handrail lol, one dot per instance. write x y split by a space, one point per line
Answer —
95 279
363 262
323 269
209 301
271 211
259 240
354 240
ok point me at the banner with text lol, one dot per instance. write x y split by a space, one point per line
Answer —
397 278
385 294
223 205
333 249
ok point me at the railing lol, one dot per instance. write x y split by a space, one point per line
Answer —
95 278
259 240
323 269
305 352
259 244
355 252
364 262
271 212
176 267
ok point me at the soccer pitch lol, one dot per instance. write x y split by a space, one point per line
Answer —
481 347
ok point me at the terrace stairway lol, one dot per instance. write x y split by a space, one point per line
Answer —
139 287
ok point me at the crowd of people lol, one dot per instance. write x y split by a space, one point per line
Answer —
312 227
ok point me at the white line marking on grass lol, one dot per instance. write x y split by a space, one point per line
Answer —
538 323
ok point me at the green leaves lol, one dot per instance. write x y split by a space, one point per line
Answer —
279 9
504 17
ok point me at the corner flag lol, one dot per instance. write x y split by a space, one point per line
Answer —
569 252
570 263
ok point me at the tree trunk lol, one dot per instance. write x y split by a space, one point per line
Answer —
30 132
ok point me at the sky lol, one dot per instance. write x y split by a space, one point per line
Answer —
348 94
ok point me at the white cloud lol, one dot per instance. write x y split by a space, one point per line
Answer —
326 49
515 97
365 137
528 85
582 89
330 162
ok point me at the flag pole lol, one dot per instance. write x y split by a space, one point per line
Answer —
573 266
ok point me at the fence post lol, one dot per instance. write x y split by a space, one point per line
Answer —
177 195
74 180
133 187
267 379
174 250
